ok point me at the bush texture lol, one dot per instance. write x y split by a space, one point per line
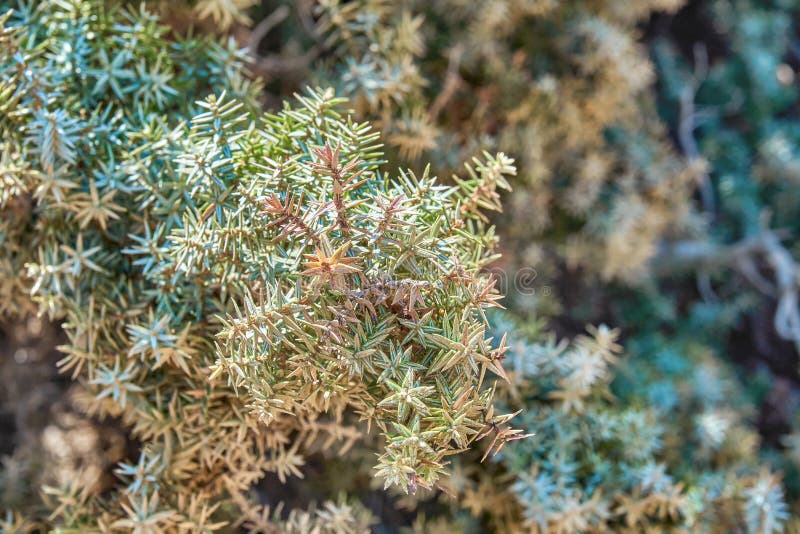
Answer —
266 252
268 328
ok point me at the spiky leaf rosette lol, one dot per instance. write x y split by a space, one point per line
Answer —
353 291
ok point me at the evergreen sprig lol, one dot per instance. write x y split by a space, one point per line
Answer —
234 285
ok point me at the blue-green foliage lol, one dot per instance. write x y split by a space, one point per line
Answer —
624 441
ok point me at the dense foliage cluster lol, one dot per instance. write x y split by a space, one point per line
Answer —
268 251
686 462
270 329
